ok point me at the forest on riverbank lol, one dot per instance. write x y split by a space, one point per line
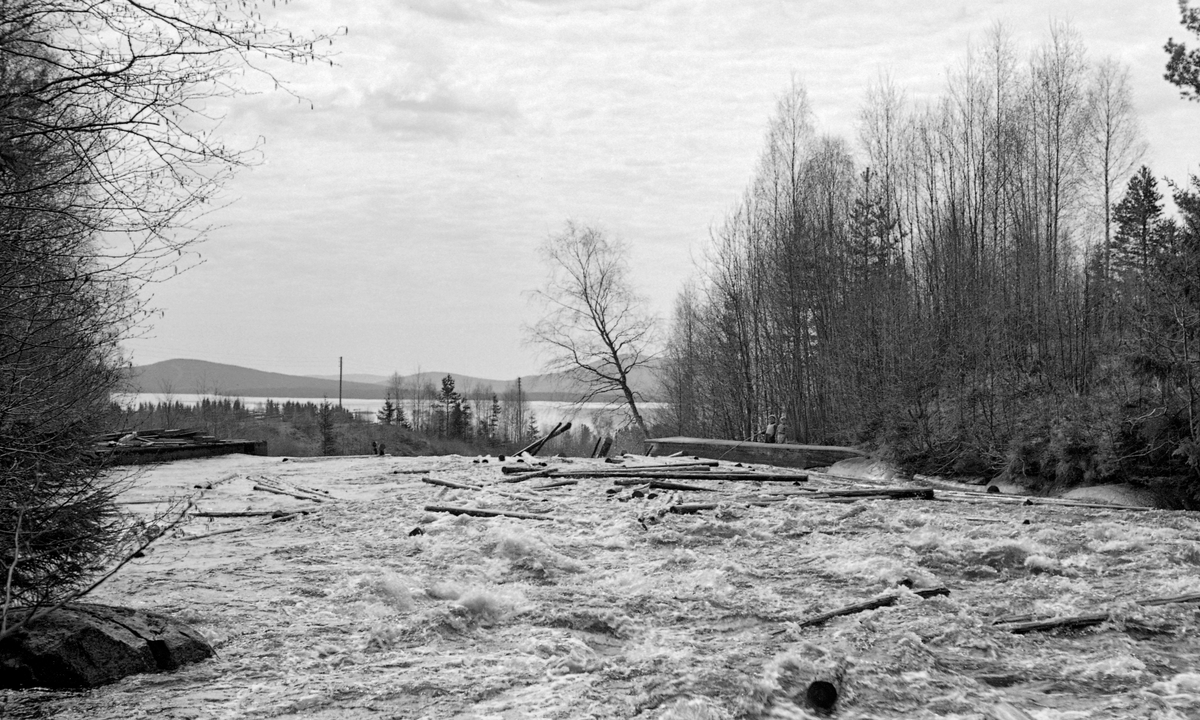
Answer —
988 282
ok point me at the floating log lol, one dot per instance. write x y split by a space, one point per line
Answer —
687 474
245 513
476 512
872 494
279 491
535 446
985 497
690 508
663 485
690 464
537 442
450 484
781 454
551 486
281 518
553 434
822 694
1021 624
526 475
875 602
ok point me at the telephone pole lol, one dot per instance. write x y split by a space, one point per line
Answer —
339 382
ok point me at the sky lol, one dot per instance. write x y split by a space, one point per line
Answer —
395 216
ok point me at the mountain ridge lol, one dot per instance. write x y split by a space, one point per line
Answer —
202 377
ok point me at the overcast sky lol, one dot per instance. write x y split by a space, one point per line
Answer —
395 221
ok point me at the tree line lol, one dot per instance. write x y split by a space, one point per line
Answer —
415 419
983 282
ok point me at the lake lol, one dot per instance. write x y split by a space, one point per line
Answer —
547 412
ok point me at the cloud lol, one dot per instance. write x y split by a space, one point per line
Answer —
452 10
440 111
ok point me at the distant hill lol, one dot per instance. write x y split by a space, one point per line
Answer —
208 378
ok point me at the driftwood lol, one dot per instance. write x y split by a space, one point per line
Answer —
663 485
551 486
281 518
449 484
1021 624
687 474
476 512
553 434
464 486
527 475
537 442
280 491
689 464
986 497
534 447
872 494
689 508
873 603
245 513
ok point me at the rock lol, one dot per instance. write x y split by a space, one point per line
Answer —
85 645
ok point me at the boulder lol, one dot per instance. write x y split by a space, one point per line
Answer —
85 645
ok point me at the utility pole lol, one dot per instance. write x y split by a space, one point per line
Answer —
339 382
520 414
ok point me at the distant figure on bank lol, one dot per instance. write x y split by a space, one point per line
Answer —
374 448
772 429
380 449
781 430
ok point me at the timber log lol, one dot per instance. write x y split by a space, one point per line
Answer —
779 454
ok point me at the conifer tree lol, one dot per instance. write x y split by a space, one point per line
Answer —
1138 216
1183 65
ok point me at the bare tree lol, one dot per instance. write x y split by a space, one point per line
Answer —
107 163
1113 144
596 327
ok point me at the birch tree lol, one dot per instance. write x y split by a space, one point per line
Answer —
596 327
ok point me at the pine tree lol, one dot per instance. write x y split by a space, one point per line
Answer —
449 399
1139 236
325 426
493 423
1183 67
387 413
